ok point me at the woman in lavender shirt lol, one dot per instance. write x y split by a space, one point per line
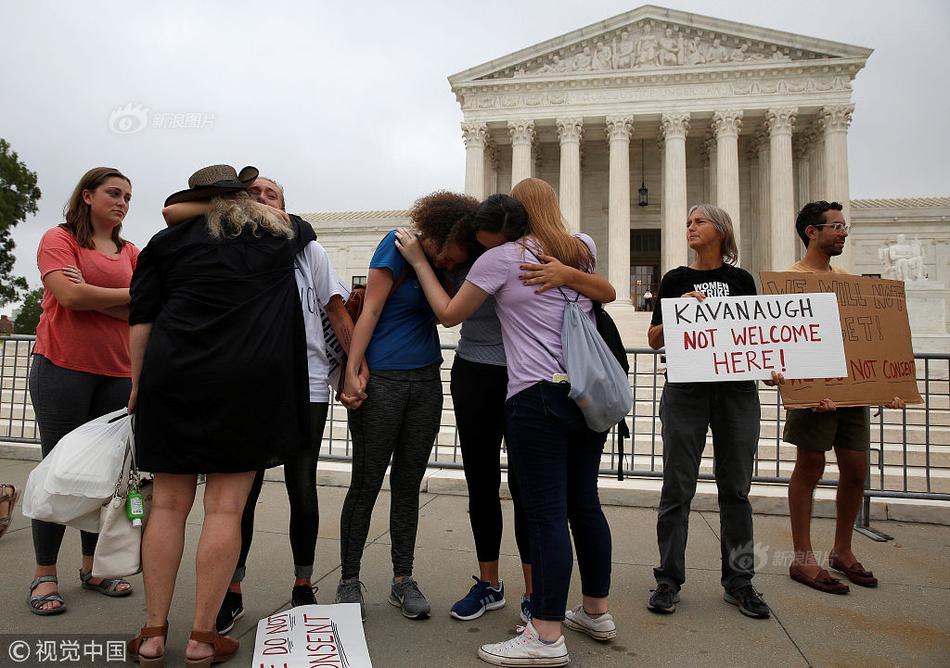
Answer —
552 453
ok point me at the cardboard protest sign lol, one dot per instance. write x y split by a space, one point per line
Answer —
312 636
747 338
877 341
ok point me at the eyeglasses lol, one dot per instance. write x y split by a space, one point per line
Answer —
835 227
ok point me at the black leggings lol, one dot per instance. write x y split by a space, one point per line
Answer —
63 399
300 478
478 393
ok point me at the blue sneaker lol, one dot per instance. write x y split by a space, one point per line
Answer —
525 608
481 597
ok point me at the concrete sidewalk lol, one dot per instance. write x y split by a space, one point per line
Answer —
906 621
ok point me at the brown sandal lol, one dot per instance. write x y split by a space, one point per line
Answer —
855 572
224 648
10 499
136 642
822 581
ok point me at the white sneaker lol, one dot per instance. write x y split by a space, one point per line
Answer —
525 650
598 628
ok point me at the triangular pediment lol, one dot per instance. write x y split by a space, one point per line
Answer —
649 39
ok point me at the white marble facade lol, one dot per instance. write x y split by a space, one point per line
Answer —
698 110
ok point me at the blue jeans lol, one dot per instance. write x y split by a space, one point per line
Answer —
556 459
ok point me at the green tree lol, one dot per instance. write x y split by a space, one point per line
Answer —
18 197
29 316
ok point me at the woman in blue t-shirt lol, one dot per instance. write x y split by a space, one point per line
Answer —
395 415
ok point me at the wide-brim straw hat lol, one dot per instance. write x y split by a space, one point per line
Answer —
212 181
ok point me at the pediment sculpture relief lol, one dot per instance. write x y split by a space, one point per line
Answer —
651 45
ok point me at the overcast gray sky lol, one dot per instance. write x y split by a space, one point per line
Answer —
347 103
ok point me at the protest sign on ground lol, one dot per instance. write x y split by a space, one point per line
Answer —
747 338
877 341
324 636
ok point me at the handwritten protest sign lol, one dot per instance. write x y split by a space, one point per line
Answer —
747 338
312 636
877 341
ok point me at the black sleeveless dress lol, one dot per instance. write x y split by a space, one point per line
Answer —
224 384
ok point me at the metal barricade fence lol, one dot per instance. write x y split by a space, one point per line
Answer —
909 456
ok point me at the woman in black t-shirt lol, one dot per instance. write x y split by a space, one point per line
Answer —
688 410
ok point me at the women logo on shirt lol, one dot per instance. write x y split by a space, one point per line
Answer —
712 288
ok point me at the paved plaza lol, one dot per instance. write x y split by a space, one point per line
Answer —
905 622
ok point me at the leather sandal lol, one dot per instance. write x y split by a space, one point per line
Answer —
822 581
105 587
8 497
135 643
855 572
224 647
36 602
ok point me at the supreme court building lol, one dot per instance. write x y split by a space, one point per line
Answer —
635 118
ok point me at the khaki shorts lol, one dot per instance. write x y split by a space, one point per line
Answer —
845 428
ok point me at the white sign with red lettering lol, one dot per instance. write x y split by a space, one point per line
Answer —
747 338
312 636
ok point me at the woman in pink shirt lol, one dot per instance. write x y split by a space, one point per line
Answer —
81 366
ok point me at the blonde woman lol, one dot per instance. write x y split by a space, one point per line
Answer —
551 451
689 410
219 386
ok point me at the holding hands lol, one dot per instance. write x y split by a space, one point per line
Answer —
353 393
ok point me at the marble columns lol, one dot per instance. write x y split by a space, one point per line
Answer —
475 136
725 127
673 127
569 132
764 237
834 121
522 139
618 211
780 122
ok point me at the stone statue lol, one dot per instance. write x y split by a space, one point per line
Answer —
903 261
603 56
739 54
695 52
717 53
624 55
647 47
669 53
582 61
777 54
554 65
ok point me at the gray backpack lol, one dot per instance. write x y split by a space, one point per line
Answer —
599 385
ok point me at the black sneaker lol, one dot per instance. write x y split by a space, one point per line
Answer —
232 609
749 601
664 599
303 595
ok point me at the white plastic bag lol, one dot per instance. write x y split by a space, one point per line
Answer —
88 460
599 385
76 511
